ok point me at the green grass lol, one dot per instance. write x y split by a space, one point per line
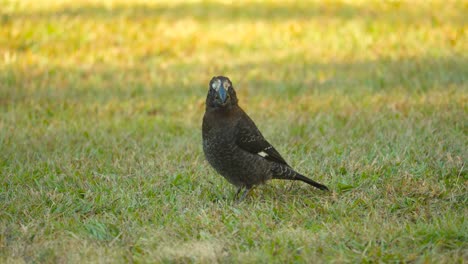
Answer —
100 142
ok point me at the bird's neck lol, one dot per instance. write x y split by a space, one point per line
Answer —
222 110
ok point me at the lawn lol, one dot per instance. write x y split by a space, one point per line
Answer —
101 105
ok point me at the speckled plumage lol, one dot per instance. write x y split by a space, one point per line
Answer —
234 146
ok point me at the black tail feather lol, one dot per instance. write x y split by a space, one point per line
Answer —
311 182
287 173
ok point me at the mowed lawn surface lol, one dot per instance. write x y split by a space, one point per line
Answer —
101 105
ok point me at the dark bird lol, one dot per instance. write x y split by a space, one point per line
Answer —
234 146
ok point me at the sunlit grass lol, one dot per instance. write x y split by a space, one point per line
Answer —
100 144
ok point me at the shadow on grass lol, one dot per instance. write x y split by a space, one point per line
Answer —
208 11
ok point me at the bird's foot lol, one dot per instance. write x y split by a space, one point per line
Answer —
244 194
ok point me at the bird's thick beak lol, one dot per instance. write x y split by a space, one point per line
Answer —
222 93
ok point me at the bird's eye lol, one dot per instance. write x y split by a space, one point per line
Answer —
226 85
215 85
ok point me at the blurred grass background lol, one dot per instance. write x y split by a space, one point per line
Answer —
100 145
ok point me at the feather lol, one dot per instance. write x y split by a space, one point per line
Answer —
250 139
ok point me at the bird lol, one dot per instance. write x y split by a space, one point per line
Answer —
235 147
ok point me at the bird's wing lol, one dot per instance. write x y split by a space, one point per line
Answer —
249 138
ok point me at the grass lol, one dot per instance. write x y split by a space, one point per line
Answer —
100 115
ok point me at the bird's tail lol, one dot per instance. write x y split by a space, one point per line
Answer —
311 182
287 173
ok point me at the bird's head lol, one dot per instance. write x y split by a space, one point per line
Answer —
221 93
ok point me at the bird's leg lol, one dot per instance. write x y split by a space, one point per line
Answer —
237 193
246 192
